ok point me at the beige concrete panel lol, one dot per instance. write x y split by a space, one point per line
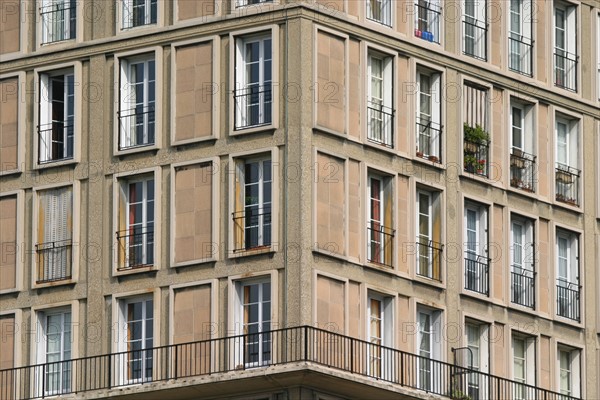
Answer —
7 344
8 122
188 9
499 139
544 265
499 339
330 304
336 6
354 94
498 40
354 8
404 13
193 98
8 242
354 225
405 319
405 242
402 104
541 44
331 82
10 22
499 262
544 155
331 204
545 362
354 317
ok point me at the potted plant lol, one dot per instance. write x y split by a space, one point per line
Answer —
474 137
419 154
516 182
517 161
434 159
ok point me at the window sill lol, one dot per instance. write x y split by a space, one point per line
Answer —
57 163
429 281
136 150
10 171
253 251
568 206
133 271
9 291
181 143
184 264
380 147
267 128
42 285
568 321
426 161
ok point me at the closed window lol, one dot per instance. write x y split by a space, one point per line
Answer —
567 275
476 248
243 3
429 347
54 350
429 115
59 19
138 13
565 46
428 16
523 265
380 105
380 11
380 333
569 371
380 232
523 169
136 317
524 367
567 160
520 42
253 316
429 247
475 29
477 335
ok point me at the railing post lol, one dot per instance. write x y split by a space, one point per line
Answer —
110 370
305 342
176 362
401 369
351 355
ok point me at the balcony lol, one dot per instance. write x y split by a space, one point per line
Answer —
567 184
54 261
522 286
58 21
475 38
522 170
477 277
429 140
565 70
254 229
520 59
55 142
381 244
136 127
304 349
136 249
381 125
253 106
567 299
429 259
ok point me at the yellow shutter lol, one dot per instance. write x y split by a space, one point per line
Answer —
238 220
437 235
388 239
122 223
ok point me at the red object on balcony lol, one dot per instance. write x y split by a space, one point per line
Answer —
417 33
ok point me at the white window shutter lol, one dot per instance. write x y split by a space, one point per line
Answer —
576 373
436 113
527 11
530 357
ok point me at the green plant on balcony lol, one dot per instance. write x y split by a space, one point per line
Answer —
459 395
475 136
474 164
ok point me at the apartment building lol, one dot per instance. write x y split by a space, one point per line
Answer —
320 199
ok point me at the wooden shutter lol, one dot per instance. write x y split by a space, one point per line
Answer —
238 208
388 239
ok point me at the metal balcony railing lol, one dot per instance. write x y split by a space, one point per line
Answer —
427 23
522 170
381 124
476 157
475 38
429 259
136 127
381 244
522 286
55 141
520 54
429 140
139 13
253 106
136 249
567 299
477 270
565 69
567 184
54 261
58 21
256 228
306 346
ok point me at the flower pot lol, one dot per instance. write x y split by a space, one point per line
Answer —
517 163
471 147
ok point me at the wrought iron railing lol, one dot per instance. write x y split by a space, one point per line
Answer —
304 345
58 21
476 157
567 184
427 20
522 170
254 227
381 124
381 244
429 140
54 261
475 38
253 106
522 286
520 54
565 70
139 13
429 259
55 141
136 127
477 277
136 248
567 299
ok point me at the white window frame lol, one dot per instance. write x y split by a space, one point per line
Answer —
265 106
381 7
424 120
570 42
573 369
43 338
123 336
571 142
478 24
250 3
527 127
128 17
478 252
380 106
567 264
144 201
373 220
522 33
529 368
434 350
478 384
525 264
379 358
429 234
432 20
48 10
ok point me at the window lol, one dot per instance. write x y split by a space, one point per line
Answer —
569 371
598 53
137 102
523 170
567 275
475 29
427 20
53 246
253 316
476 136
565 46
59 19
567 160
429 247
477 335
380 333
380 11
380 232
429 345
429 115
56 116
54 350
136 317
523 349
253 81
139 13
136 223
252 213
242 3
520 42
476 248
522 262
380 105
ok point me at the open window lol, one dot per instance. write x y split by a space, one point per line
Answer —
380 230
380 105
568 284
429 115
429 345
522 271
566 57
428 17
380 332
429 234
475 29
478 343
136 340
520 39
476 140
476 248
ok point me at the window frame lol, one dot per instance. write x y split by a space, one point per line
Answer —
70 6
575 369
479 254
386 20
121 25
480 7
572 41
430 20
483 362
435 204
436 346
384 105
529 357
527 266
524 37
573 271
436 116
386 322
